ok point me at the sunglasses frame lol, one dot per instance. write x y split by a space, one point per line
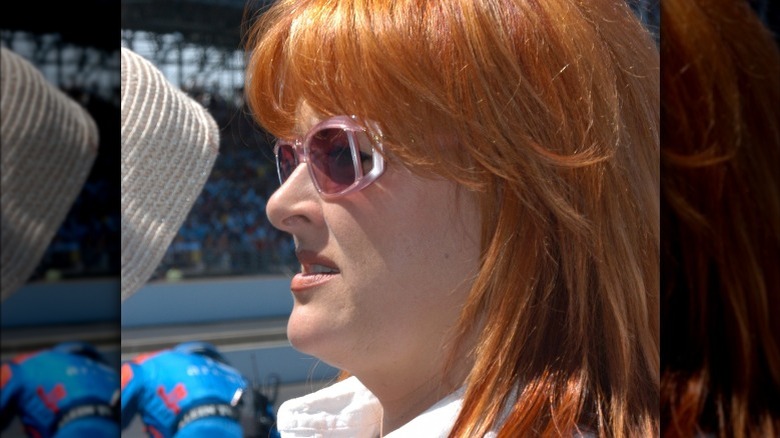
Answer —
351 126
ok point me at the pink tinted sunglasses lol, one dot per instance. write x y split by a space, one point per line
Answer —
342 156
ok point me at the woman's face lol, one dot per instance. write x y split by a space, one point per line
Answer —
400 257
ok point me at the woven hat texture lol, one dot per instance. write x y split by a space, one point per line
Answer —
49 143
169 145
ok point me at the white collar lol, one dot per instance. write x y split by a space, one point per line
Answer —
348 409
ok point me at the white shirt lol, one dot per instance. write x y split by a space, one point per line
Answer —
348 409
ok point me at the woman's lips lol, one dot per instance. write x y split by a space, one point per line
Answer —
301 282
315 270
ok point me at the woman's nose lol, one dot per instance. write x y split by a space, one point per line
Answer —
295 203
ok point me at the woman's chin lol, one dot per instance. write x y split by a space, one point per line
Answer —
312 335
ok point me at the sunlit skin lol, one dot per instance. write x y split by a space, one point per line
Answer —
405 250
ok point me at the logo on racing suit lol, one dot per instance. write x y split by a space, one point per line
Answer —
173 398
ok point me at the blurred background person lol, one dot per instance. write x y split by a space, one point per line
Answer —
720 144
189 390
69 390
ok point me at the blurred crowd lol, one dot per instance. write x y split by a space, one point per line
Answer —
87 244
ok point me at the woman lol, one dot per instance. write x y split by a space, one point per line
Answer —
472 187
721 222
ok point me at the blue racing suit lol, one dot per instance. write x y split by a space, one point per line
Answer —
66 391
187 391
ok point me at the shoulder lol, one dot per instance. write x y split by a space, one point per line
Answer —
129 372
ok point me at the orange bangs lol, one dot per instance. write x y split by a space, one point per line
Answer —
517 83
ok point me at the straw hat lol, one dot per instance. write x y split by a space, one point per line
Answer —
169 145
49 143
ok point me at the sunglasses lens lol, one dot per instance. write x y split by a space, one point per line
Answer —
331 160
286 161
